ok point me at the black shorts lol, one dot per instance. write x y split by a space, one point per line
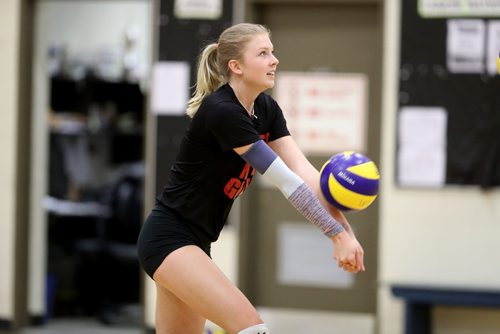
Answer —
163 232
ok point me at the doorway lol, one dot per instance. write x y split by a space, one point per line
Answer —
91 60
332 37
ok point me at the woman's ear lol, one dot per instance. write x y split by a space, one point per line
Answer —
234 66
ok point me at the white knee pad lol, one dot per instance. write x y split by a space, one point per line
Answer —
257 329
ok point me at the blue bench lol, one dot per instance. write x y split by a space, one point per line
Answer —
419 302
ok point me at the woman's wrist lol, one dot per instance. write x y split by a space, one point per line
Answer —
339 236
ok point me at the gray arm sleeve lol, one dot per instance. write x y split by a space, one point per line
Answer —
292 186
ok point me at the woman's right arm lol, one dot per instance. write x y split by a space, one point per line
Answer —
259 155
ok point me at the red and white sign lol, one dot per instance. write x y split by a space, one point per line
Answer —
325 112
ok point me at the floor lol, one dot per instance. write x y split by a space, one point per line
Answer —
80 326
127 319
279 320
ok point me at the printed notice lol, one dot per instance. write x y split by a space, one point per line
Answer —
459 8
422 142
170 88
493 46
465 46
198 9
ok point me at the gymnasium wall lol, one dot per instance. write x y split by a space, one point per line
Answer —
446 237
9 79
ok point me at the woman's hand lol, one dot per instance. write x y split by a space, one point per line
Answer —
346 248
348 252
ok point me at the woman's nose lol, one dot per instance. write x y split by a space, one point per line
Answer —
275 60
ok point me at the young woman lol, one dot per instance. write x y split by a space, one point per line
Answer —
235 130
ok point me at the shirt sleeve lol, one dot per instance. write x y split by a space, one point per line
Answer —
278 126
231 126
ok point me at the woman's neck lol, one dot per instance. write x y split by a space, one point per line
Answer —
244 96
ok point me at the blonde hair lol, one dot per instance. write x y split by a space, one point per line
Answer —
213 70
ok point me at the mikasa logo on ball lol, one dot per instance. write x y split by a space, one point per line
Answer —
346 178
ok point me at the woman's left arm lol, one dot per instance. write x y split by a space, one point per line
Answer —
288 150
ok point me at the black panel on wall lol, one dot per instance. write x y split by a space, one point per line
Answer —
181 40
169 136
471 100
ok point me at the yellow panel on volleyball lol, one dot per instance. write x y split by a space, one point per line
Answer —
367 170
348 198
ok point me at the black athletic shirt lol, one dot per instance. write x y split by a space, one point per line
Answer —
208 175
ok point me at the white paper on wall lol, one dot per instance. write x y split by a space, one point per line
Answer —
422 125
493 46
305 258
466 46
170 88
198 9
458 8
422 166
422 144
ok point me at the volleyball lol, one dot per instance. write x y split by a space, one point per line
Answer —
349 181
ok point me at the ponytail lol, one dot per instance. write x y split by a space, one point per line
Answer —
213 70
208 78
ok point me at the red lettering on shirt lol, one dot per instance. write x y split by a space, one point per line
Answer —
232 188
236 186
246 170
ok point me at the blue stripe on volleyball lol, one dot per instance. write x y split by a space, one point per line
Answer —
326 190
259 156
350 158
356 183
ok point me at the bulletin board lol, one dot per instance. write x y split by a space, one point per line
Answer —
448 78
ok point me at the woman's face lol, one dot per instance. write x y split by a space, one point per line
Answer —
259 63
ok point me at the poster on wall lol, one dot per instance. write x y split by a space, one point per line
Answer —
198 9
465 46
493 43
421 159
325 112
170 88
458 8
